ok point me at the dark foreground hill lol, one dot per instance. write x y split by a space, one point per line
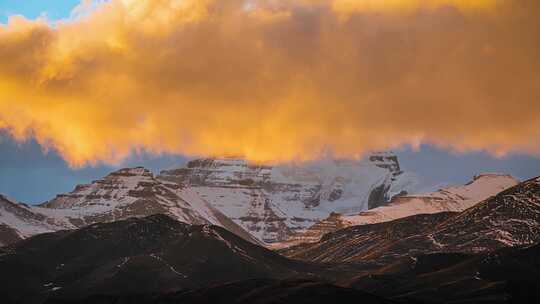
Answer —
254 291
509 275
153 255
505 276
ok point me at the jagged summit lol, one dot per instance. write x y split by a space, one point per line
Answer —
387 160
134 171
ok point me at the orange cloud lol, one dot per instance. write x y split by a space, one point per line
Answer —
348 6
274 80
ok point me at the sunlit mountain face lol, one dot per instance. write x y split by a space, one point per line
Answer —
269 151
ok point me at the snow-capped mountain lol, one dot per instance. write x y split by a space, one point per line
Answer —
274 202
133 192
454 199
457 198
508 219
278 205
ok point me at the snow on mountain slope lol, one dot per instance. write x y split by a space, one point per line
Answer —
509 219
19 220
274 202
457 198
121 194
133 192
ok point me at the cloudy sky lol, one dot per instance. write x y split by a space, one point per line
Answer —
451 85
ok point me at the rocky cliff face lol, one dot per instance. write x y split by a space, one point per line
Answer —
275 202
451 199
133 192
122 194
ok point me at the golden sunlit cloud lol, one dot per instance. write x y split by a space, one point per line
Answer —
347 6
274 80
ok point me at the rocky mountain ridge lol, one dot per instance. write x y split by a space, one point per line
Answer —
450 199
508 219
132 192
275 202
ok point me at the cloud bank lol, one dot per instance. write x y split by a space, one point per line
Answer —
274 80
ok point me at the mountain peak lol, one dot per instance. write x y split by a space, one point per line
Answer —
386 160
274 201
135 171
119 185
8 200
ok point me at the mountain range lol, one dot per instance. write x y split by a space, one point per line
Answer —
136 238
277 206
485 254
275 202
262 204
